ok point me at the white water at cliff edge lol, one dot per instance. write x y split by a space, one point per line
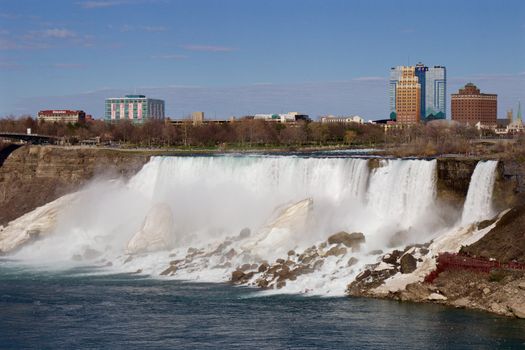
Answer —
209 200
478 204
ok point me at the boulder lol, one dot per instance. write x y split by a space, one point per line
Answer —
436 297
375 252
352 261
169 271
336 251
392 257
518 310
237 276
245 233
156 232
263 267
351 240
231 253
408 263
461 303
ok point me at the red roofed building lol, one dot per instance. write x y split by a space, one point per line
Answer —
62 116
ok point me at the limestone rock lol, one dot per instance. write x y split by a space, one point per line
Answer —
436 297
352 261
351 240
518 310
336 251
156 232
408 263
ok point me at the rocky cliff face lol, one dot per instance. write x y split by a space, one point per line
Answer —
453 179
32 176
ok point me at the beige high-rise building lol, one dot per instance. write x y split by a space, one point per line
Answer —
408 97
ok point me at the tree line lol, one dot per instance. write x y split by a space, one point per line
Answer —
430 139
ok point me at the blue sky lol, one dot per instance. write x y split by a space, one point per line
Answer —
234 57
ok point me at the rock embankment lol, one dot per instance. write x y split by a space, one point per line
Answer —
467 283
32 176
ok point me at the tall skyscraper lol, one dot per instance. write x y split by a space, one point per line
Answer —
408 97
433 81
135 108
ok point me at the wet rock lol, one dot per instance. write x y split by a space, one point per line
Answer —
284 272
263 267
169 271
352 261
323 245
306 258
423 251
375 252
280 284
176 262
245 233
351 240
336 251
237 276
408 263
128 259
318 264
226 265
291 252
363 275
245 267
262 283
392 257
231 253
279 261
138 271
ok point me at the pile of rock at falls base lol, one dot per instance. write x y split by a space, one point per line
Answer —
275 275
397 261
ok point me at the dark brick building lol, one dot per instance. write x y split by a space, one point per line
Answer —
470 106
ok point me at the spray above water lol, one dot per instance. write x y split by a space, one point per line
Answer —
478 204
211 215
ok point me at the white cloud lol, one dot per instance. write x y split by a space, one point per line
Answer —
59 33
68 65
102 4
170 57
208 48
154 28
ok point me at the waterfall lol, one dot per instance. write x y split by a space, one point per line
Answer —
478 204
403 189
214 198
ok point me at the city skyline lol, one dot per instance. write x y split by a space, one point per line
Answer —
235 58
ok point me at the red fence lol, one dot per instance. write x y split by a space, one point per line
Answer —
451 261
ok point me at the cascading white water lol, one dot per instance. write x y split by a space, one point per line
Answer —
478 204
213 198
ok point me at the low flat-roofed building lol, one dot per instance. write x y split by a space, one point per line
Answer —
283 117
344 120
61 116
135 108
